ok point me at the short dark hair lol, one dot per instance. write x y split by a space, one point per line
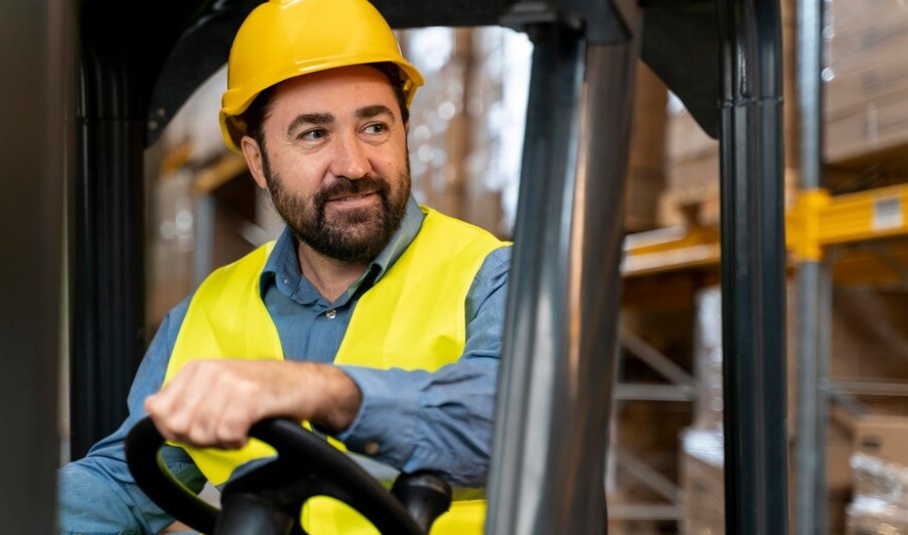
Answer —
254 117
392 72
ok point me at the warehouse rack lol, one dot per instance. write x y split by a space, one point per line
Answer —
855 240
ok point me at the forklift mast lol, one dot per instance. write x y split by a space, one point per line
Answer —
99 80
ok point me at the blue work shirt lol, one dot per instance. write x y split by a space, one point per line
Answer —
411 420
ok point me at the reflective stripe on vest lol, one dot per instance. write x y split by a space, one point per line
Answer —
412 318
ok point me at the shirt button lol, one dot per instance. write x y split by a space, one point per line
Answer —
371 448
331 314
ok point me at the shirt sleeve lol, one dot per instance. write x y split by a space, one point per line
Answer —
97 494
442 421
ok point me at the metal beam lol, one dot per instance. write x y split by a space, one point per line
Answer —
560 340
753 268
812 281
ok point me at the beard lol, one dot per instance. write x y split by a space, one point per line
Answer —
355 235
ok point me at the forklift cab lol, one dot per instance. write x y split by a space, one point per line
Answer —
106 77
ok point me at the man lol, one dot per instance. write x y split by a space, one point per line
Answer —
375 319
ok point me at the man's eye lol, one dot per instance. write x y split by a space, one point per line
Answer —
377 128
313 134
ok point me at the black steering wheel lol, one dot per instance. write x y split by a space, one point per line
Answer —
267 499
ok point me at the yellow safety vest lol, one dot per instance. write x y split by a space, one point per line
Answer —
412 318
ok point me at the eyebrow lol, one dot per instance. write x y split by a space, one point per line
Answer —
309 118
366 112
374 110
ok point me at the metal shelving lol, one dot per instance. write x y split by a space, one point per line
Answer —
816 222
863 229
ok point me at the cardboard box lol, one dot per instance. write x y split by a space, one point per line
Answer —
679 208
866 89
880 127
693 177
848 14
839 448
691 194
847 92
883 436
641 200
853 42
686 139
870 340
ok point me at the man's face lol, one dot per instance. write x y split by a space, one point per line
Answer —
335 161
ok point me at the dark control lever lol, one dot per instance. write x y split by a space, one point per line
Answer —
425 495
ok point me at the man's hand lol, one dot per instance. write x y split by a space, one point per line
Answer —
215 402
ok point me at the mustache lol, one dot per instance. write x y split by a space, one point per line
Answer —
344 186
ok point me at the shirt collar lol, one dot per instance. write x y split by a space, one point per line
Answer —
284 263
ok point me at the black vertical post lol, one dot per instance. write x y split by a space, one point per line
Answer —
753 267
108 272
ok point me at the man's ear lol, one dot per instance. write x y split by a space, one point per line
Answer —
253 154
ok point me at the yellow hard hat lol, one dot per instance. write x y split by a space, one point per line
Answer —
281 39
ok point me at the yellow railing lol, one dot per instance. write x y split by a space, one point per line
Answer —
816 221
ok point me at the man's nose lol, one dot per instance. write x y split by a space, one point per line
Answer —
350 159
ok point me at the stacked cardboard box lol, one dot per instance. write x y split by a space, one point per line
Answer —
864 349
868 346
691 194
884 437
866 81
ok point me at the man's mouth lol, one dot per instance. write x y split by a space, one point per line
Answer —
343 198
353 200
345 194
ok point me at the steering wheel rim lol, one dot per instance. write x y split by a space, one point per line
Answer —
306 466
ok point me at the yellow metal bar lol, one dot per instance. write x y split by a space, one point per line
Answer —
802 225
816 221
176 158
819 220
669 249
225 169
